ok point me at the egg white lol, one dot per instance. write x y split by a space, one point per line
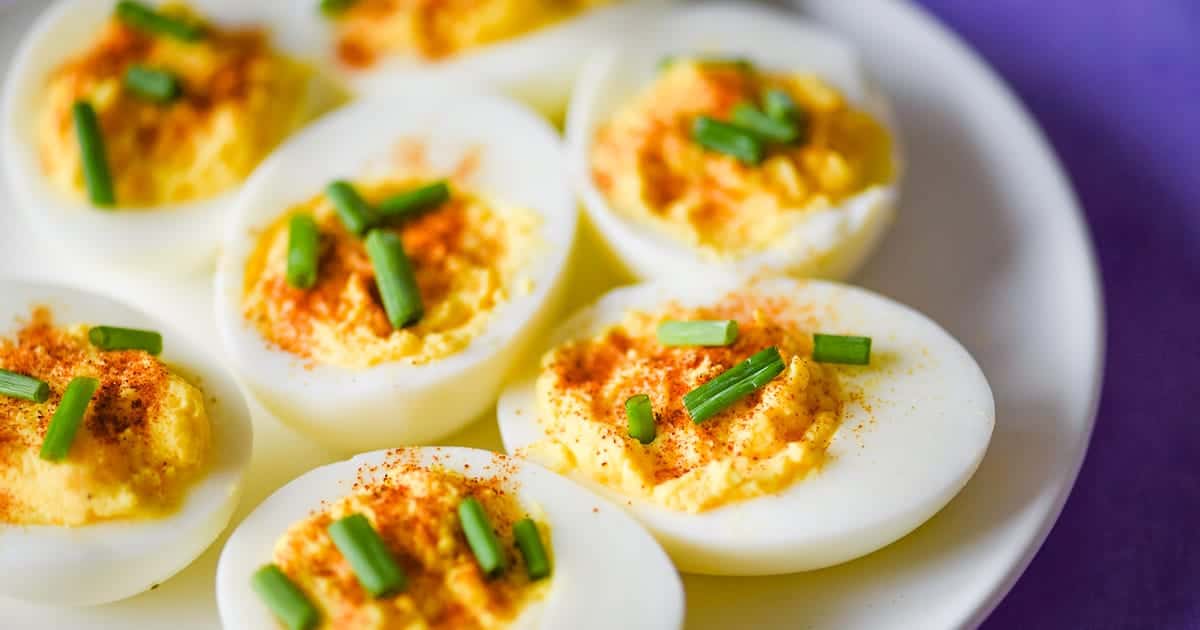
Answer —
397 403
165 239
107 561
537 67
829 243
608 572
889 469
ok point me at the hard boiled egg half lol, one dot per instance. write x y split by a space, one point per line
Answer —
129 453
530 49
733 138
604 571
816 464
487 258
180 120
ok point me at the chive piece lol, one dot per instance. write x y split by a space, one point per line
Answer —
24 387
480 537
394 278
414 201
355 214
741 63
749 117
640 414
303 249
67 417
697 333
373 564
529 541
116 338
335 7
144 18
779 105
725 138
284 598
152 84
91 153
732 385
841 349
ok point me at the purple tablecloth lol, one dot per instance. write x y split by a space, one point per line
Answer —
1116 86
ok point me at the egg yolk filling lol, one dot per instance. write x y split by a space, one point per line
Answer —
238 99
466 254
759 445
437 29
414 510
144 438
646 162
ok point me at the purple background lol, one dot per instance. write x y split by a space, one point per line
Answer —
1115 84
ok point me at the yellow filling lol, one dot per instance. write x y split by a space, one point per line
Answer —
759 445
434 29
646 163
144 439
466 254
414 509
239 99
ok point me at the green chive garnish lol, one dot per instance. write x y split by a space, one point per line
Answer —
24 387
733 385
115 338
728 139
303 249
529 541
749 117
284 598
697 333
415 201
779 105
334 7
67 417
841 349
144 18
91 153
394 278
369 557
152 84
640 414
481 537
355 214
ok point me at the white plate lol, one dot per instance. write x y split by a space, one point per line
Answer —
989 242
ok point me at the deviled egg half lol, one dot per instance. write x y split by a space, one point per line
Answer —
384 268
733 138
528 48
756 427
122 447
128 125
443 538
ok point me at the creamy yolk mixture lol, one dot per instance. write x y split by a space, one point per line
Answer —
414 509
644 160
760 445
144 439
436 29
466 254
239 98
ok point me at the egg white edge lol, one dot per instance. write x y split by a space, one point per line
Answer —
831 242
808 525
65 563
590 580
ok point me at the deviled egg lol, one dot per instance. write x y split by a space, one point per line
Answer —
128 125
528 48
756 428
443 538
733 138
383 269
118 465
